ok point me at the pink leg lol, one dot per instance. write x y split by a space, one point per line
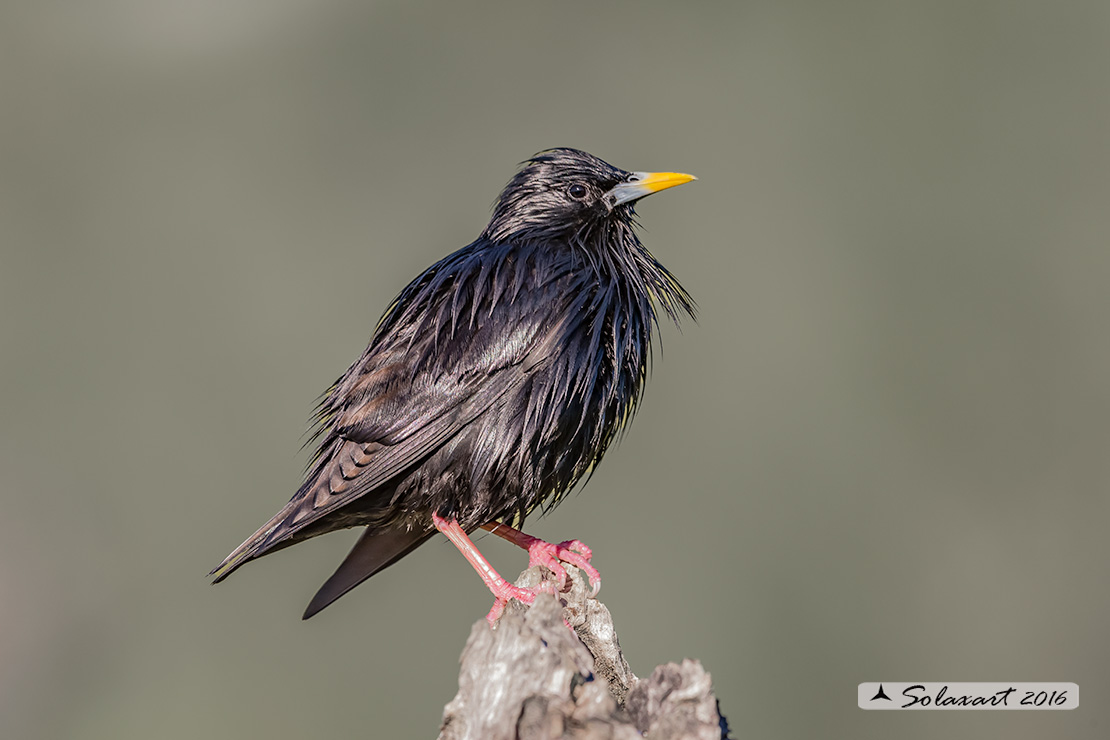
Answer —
551 556
502 589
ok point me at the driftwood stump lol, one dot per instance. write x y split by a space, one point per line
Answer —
532 678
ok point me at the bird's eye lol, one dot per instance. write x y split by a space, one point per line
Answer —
577 191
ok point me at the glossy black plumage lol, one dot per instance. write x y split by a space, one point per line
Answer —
495 381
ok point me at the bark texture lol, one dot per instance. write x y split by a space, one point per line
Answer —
532 678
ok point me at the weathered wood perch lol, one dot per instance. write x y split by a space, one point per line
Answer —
532 678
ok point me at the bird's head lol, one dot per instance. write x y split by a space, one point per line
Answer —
560 191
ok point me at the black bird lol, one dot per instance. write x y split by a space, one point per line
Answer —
493 383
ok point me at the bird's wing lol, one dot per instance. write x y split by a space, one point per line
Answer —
404 416
382 417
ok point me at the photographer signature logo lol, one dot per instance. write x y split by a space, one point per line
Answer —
953 695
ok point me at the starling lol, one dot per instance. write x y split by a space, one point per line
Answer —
492 384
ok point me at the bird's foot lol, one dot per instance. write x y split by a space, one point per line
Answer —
502 590
505 592
552 557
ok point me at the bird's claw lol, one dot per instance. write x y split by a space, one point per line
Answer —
508 591
573 552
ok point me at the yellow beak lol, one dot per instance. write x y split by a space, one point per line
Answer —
646 183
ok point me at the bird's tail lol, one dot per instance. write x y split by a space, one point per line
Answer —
375 550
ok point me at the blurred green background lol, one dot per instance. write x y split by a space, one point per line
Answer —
882 453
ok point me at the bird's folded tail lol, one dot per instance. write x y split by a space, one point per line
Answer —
374 551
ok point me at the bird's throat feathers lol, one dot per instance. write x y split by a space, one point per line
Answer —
599 280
